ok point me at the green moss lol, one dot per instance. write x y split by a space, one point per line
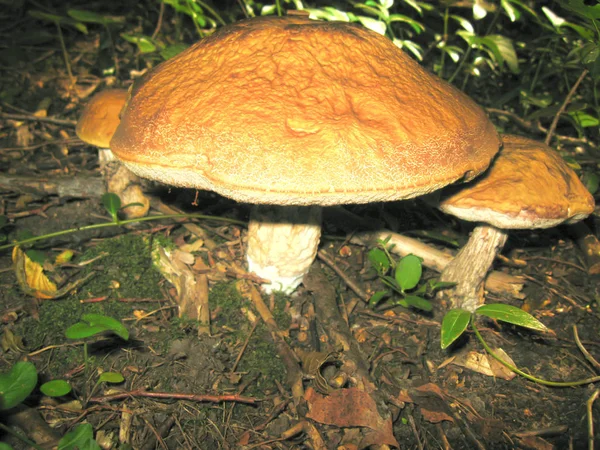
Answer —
124 271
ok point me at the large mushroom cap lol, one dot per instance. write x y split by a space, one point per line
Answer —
528 185
290 111
100 117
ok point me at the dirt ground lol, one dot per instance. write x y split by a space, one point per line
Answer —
232 387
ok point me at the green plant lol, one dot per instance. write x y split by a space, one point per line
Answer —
17 384
457 321
403 287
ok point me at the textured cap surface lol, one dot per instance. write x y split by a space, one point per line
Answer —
528 185
100 117
294 111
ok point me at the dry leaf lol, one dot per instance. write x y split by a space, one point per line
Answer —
31 277
351 408
486 365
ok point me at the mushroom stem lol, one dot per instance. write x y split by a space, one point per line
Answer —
470 267
282 244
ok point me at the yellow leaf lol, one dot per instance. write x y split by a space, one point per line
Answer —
64 257
31 277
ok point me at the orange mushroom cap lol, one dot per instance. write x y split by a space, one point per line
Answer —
100 117
528 185
290 111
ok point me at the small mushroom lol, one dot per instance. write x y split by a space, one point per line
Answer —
96 126
527 186
99 120
292 114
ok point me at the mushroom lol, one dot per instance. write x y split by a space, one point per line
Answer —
291 114
96 126
527 186
99 120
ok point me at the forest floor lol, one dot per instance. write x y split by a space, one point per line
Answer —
230 388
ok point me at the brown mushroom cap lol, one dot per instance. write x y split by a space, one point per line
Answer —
100 117
528 185
290 111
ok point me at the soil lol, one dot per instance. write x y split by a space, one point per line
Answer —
237 373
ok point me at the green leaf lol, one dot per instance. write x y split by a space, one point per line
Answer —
108 323
112 204
512 12
579 7
81 438
507 50
92 17
416 26
377 297
4 446
591 181
55 388
373 24
511 314
82 330
172 50
96 323
111 377
417 302
144 43
454 324
60 20
36 256
585 120
17 384
463 23
408 272
379 260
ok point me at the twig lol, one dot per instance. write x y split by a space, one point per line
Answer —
564 106
159 22
590 418
350 282
22 148
243 349
32 118
177 396
583 350
537 127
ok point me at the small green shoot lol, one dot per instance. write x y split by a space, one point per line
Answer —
17 384
112 204
407 273
93 324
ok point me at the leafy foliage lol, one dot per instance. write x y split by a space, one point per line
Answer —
403 287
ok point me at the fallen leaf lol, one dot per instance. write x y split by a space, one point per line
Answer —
486 365
351 407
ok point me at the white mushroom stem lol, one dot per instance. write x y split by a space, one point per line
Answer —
105 155
470 267
282 244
